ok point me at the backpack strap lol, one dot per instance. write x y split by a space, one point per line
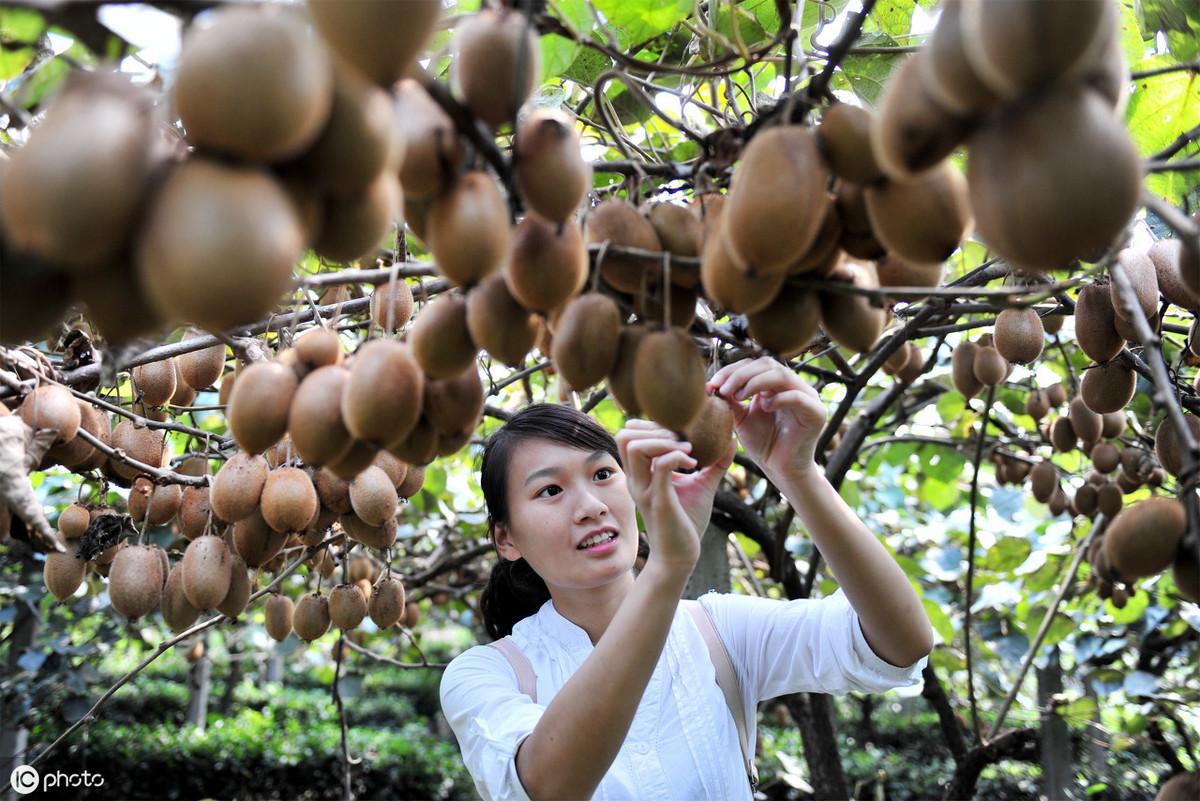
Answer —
728 681
526 677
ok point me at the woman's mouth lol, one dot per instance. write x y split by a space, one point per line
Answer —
600 543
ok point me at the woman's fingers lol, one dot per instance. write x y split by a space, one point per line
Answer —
663 466
642 452
722 375
733 383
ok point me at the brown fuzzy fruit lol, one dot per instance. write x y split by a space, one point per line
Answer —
352 226
1019 335
1063 436
468 229
218 245
492 48
1140 272
381 399
278 613
962 369
63 574
850 320
912 132
360 455
135 580
195 513
776 201
1108 388
440 339
1043 480
315 416
206 572
237 487
289 500
51 406
914 365
1186 572
1175 268
373 496
585 340
498 323
334 492
178 613
711 433
621 378
433 152
1143 539
946 70
1108 499
680 232
347 607
551 173
1086 424
1037 198
414 479
318 347
73 521
311 617
669 378
380 38
454 405
1037 405
392 305
234 602
160 504
789 322
255 541
357 143
386 606
923 220
1105 457
844 137
989 366
1114 424
145 445
1094 324
731 288
371 536
251 84
546 267
155 381
1168 443
619 223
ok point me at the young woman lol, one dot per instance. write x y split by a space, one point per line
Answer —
627 705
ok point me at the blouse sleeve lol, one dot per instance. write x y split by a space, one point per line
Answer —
490 718
804 645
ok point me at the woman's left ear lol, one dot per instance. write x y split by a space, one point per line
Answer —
504 544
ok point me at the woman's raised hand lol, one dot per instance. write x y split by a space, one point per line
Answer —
651 456
780 427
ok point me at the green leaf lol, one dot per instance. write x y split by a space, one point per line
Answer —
868 74
940 495
1134 607
557 55
944 464
1080 711
14 61
587 66
1161 106
939 619
20 26
1007 554
950 405
893 17
645 19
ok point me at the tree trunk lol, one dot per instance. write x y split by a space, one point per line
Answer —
1057 769
1096 737
234 677
866 721
14 737
814 716
198 683
712 568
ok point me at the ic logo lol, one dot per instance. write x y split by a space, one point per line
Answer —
25 779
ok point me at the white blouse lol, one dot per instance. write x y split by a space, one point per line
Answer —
682 743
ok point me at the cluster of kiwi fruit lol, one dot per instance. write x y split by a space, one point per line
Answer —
1036 92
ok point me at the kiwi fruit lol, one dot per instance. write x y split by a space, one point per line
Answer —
454 405
824 254
357 143
621 377
360 455
1186 572
850 320
922 220
360 568
1057 394
1168 442
1053 323
78 453
289 500
433 152
412 615
551 173
989 366
1062 435
585 340
52 406
373 496
649 306
1043 481
379 38
1038 200
155 381
333 492
195 513
1059 503
708 208
183 395
913 366
731 288
1181 786
1015 46
63 573
381 397
1139 270
440 339
498 323
1174 266
35 296
1095 329
1037 405
776 200
619 223
251 84
206 572
255 541
259 405
157 503
178 613
844 137
145 445
371 536
492 49
315 416
413 481
1108 388
135 580
73 521
468 229
894 272
1108 498
946 71
668 375
1085 501
680 233
347 606
1143 539
791 320
1019 335
74 190
392 305
386 605
912 132
278 616
236 490
310 618
1086 423
962 369
352 226
218 245
234 602
711 433
1105 457
547 265
451 443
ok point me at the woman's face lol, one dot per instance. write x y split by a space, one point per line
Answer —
557 497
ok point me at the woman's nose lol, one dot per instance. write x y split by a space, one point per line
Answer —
590 506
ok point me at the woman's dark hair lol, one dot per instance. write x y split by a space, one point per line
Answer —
514 591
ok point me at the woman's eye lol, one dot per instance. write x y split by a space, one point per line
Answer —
545 489
607 471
